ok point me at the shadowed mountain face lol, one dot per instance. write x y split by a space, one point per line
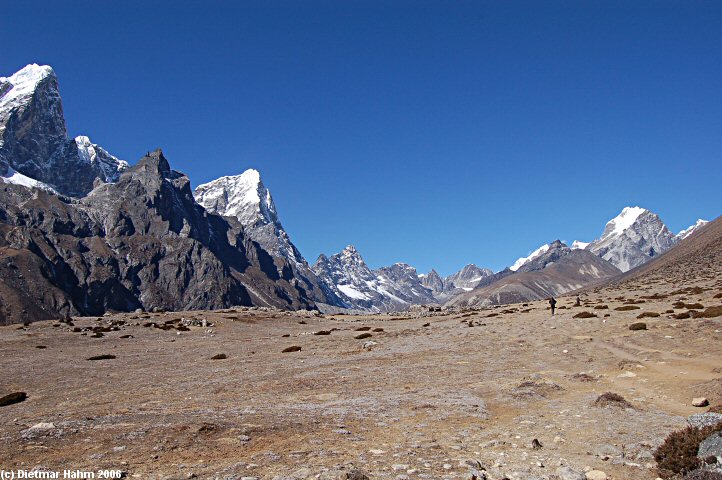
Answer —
557 271
33 138
246 199
142 242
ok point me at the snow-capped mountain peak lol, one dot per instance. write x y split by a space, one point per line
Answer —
34 141
623 221
241 196
633 237
579 245
94 154
691 229
16 88
521 261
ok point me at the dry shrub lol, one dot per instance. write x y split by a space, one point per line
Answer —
682 316
585 315
610 399
627 308
601 307
638 326
678 453
648 314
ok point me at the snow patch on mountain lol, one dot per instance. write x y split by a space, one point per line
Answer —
93 154
691 229
623 221
387 289
521 261
579 245
11 176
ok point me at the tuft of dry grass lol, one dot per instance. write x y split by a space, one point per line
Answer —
648 315
584 315
611 399
627 308
102 357
638 326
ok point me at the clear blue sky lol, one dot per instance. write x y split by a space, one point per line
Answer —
437 133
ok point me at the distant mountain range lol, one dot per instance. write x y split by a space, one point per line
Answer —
83 232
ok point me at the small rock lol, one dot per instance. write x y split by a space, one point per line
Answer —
596 475
293 348
567 473
369 345
700 402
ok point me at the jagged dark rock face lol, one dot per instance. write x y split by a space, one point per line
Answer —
33 136
433 281
246 199
142 242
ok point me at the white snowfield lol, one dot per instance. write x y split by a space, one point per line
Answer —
623 221
17 178
94 154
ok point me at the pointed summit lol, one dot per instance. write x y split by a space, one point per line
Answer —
241 196
245 198
34 141
633 237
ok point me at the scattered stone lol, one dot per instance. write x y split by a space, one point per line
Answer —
700 402
12 398
363 329
293 348
220 356
322 332
362 336
356 474
596 475
585 315
638 326
369 345
706 419
711 449
536 444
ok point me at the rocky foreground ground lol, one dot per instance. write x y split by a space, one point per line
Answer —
509 390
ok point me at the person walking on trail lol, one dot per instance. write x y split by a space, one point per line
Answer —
553 304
